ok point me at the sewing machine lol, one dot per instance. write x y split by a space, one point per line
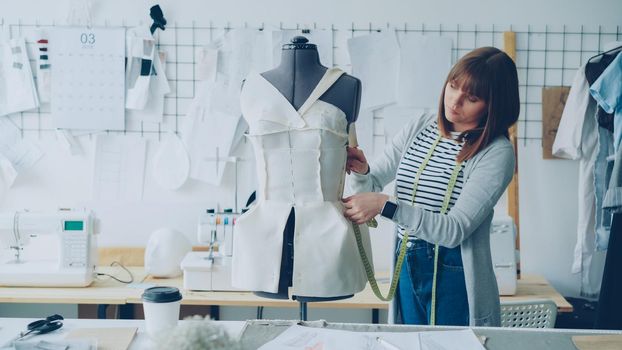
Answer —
503 249
48 249
211 270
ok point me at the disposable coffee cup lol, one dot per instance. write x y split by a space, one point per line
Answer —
161 307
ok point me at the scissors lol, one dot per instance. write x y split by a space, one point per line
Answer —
49 324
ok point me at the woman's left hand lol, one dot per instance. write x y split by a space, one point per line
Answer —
362 207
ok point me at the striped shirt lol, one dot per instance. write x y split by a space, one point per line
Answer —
434 178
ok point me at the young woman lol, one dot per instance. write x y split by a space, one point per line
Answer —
450 171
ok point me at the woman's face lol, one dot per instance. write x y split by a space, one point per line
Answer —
462 110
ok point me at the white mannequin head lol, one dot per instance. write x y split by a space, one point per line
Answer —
164 252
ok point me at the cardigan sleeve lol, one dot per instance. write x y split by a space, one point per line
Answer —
383 169
486 183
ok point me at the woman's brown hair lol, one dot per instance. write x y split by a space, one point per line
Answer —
489 74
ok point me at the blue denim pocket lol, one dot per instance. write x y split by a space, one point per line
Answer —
450 259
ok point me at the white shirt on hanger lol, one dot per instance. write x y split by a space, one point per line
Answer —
577 139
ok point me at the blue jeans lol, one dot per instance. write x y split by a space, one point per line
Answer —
414 294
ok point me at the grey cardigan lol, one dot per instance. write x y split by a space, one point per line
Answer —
467 224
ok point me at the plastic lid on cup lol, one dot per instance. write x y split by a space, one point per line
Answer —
161 295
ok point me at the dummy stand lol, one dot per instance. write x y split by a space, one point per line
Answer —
302 308
286 272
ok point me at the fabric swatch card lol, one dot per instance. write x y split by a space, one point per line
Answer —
44 74
88 78
17 88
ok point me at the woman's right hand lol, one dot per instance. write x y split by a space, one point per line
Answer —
356 161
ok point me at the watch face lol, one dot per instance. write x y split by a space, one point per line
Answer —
388 211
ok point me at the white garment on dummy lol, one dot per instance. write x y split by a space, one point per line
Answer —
577 138
301 158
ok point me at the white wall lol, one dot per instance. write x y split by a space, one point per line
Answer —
548 207
328 12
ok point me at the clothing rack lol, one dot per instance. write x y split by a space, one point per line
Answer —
605 53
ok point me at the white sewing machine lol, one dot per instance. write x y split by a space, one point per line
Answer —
211 270
48 249
503 249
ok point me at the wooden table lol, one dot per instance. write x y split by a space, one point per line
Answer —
105 290
529 287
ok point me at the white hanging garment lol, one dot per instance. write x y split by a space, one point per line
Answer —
17 87
140 56
301 158
153 112
171 164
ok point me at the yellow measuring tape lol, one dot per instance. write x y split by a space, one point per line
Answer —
400 258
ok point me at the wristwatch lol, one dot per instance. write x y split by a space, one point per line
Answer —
389 209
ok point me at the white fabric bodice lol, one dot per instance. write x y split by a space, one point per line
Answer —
300 157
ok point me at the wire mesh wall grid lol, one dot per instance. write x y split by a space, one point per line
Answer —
545 56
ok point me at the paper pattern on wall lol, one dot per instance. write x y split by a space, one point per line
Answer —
171 164
375 61
17 87
424 64
22 154
153 111
119 168
210 135
214 125
396 118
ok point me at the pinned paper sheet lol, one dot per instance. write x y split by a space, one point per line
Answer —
207 63
375 61
322 38
140 50
171 164
396 118
22 154
8 174
119 167
69 141
425 62
153 111
210 136
365 131
241 51
17 87
88 79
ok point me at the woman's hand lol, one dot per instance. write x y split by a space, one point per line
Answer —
356 161
362 207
